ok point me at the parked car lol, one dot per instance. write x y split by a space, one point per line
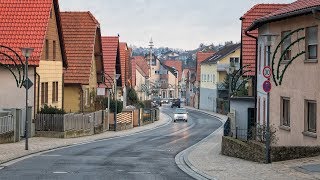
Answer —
176 103
180 114
157 102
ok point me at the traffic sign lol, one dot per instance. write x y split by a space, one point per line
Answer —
266 86
267 72
30 84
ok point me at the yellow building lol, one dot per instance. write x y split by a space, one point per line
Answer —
50 71
84 53
213 73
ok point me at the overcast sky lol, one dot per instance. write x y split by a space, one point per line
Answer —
171 23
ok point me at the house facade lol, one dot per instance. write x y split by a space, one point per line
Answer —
248 41
52 64
294 96
47 61
84 52
213 74
194 98
141 70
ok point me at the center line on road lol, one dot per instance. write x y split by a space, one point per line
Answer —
50 155
60 172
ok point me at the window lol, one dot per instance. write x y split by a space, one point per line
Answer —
47 49
208 76
54 50
55 92
44 93
86 97
285 111
205 78
311 116
286 43
312 42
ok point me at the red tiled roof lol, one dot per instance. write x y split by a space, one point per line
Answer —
295 6
110 47
124 61
142 65
79 29
201 56
177 64
248 43
24 24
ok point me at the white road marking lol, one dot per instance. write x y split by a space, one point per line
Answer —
60 172
50 155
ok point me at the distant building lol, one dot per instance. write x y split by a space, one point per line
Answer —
213 74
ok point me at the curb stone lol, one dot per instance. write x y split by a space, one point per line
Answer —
39 152
182 158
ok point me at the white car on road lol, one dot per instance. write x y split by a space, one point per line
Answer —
180 114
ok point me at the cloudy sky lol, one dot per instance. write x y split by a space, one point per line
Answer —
171 23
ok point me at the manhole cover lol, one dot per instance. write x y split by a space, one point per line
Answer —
311 167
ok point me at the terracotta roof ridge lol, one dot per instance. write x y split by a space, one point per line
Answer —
262 4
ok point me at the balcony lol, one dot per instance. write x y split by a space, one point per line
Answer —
223 67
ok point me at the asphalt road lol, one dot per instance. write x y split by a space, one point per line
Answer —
148 155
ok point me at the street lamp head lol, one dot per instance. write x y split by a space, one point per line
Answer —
118 76
26 52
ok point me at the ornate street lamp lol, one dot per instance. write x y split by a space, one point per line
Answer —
26 52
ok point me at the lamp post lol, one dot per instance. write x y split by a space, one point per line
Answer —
230 71
116 77
26 52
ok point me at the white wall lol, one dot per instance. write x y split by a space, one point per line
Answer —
10 95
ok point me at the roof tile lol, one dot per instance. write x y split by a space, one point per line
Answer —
248 43
79 29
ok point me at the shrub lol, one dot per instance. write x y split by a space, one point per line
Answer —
147 104
140 104
132 96
119 106
51 110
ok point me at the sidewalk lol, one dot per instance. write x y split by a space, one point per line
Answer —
37 144
206 158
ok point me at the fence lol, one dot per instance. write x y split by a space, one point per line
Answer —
6 124
61 123
257 133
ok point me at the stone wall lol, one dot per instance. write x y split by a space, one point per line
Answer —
244 150
255 151
7 137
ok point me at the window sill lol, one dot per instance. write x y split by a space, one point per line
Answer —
311 61
286 128
310 134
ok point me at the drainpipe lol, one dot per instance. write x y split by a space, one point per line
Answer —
38 93
255 77
62 91
241 63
